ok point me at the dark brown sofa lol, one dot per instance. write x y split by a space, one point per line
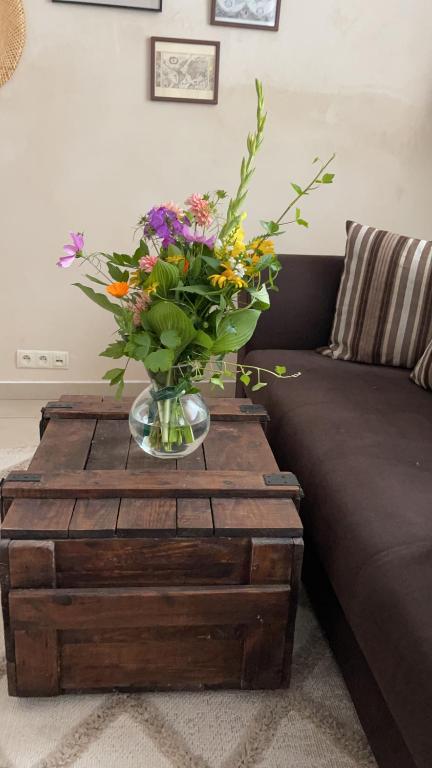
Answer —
359 437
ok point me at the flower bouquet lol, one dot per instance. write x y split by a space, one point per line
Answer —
190 294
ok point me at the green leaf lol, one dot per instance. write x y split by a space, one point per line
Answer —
221 194
114 375
297 189
201 290
159 360
210 260
172 250
114 350
280 370
245 379
203 340
217 382
302 222
100 299
327 178
120 388
260 297
165 275
140 252
165 316
258 385
315 160
270 227
138 346
235 330
95 280
170 339
118 274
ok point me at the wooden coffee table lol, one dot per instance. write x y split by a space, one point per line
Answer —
120 571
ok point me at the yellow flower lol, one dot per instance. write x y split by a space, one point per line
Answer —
227 276
135 278
175 259
118 289
152 288
263 246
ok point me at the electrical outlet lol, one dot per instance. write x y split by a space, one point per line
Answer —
60 359
41 358
25 358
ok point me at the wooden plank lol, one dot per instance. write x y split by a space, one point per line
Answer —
194 516
65 445
298 546
5 588
132 484
36 662
32 564
109 450
263 656
271 561
147 517
221 409
161 658
255 517
244 447
144 607
147 562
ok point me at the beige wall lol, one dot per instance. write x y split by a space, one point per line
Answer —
82 147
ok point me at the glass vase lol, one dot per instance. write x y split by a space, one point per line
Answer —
165 421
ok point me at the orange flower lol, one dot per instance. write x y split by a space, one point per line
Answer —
186 266
118 289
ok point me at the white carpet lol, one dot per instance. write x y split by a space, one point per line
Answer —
312 725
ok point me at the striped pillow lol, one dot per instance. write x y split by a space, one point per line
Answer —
384 306
422 373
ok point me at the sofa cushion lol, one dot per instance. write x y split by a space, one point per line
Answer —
360 440
384 306
422 373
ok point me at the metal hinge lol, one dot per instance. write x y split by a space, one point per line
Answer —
58 405
18 477
253 408
284 478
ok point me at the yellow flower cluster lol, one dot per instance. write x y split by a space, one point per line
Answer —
227 276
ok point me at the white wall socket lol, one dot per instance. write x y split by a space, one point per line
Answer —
41 358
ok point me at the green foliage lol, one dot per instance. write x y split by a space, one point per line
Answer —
235 330
114 350
160 360
170 339
260 298
100 299
280 370
165 275
120 275
166 316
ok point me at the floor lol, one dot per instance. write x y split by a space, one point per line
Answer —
19 422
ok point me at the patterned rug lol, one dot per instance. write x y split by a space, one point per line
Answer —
311 725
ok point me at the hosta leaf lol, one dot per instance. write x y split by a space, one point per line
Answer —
165 316
170 339
165 275
234 331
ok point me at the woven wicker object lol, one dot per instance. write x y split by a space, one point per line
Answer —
12 37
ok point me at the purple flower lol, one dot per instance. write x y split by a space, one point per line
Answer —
72 250
164 224
192 237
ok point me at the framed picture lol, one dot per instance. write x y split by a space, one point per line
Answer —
184 70
141 5
252 14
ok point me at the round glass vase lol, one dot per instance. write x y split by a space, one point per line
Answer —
166 422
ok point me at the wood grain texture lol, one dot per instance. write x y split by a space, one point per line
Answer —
36 655
109 450
263 656
221 409
297 562
194 516
65 445
160 484
271 561
156 658
141 607
5 588
150 561
32 564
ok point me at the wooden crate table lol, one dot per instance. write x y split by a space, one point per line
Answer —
120 571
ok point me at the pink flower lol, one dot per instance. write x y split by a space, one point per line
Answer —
141 304
170 206
200 209
147 263
72 250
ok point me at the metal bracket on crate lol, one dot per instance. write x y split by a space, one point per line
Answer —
284 478
254 408
54 404
22 477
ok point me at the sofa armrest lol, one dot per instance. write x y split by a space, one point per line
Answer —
301 312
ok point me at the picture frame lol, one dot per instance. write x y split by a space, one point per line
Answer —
249 14
184 70
139 5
